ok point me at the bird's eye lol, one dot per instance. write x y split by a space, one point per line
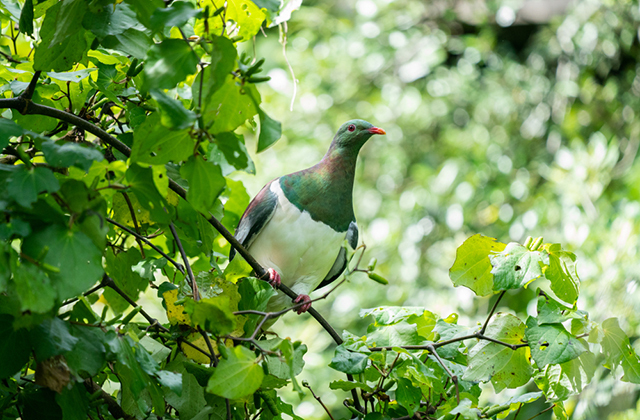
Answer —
351 127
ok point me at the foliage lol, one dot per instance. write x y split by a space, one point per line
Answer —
124 123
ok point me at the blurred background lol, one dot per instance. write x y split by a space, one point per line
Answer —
508 118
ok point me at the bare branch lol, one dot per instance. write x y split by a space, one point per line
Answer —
146 241
495 305
185 259
454 378
306 385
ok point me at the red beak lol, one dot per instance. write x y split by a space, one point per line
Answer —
376 130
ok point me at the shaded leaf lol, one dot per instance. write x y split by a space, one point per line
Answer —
168 63
173 114
205 183
153 144
348 362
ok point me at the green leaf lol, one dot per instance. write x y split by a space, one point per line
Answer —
34 289
25 184
504 366
291 363
551 343
173 114
559 382
67 18
425 324
348 362
61 155
191 401
176 15
472 267
223 60
237 376
399 334
205 183
408 396
74 402
119 267
246 16
8 129
229 107
516 266
79 260
255 295
229 148
51 338
61 55
153 144
168 63
144 9
348 385
618 350
389 315
14 347
142 184
562 274
89 354
213 315
171 380
270 131
109 20
26 18
131 42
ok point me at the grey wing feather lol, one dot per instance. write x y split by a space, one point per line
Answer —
341 262
258 213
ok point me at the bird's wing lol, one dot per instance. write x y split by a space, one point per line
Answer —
341 261
255 217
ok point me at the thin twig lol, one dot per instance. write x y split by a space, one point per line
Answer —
134 219
454 378
87 293
306 385
185 259
495 305
112 405
176 264
542 412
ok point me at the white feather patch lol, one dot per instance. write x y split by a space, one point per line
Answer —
296 246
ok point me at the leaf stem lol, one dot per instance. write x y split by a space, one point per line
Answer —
185 259
493 309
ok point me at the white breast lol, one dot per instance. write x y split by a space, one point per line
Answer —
299 248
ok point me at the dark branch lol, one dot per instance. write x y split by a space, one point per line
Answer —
146 241
112 405
185 259
493 309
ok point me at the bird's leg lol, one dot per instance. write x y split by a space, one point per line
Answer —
305 306
274 278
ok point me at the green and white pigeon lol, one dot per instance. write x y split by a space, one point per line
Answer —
297 224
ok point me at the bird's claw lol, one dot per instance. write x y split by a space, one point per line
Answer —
274 278
305 306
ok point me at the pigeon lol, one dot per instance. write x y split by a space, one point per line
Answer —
297 224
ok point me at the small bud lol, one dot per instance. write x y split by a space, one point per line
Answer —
528 241
536 244
378 279
372 264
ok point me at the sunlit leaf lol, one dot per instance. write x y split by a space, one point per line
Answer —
237 376
472 267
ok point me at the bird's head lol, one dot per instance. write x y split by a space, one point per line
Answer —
354 133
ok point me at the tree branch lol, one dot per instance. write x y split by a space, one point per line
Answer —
112 405
178 266
185 259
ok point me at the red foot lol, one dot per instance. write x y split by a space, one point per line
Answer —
274 278
305 306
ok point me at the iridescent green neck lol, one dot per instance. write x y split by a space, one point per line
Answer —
326 189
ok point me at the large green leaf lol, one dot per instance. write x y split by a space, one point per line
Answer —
168 63
109 20
558 382
26 18
173 114
51 338
504 366
78 259
34 288
205 183
8 129
245 16
70 43
237 376
472 267
270 131
71 12
14 347
562 274
176 15
141 182
25 184
60 155
618 350
516 266
153 144
213 315
349 362
551 343
223 60
229 107
119 267
408 396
